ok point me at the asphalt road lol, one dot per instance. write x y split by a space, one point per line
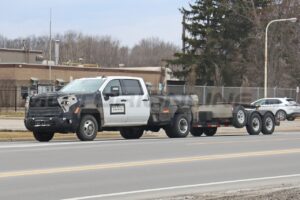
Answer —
146 168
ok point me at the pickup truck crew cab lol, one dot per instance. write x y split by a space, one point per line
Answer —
89 105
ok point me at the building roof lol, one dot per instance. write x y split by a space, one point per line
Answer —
20 50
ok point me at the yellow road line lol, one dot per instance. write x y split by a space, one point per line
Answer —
245 141
146 163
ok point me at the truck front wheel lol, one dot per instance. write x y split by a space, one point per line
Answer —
88 128
179 128
131 133
43 136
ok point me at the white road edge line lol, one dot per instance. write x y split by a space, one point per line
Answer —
181 187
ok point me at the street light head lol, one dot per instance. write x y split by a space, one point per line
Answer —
293 19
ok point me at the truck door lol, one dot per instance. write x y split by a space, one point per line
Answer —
137 102
113 106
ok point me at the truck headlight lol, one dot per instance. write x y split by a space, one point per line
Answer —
66 102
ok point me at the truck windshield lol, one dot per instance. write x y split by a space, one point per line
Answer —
83 86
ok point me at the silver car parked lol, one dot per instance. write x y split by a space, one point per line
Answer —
282 108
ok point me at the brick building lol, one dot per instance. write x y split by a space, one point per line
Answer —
20 56
19 80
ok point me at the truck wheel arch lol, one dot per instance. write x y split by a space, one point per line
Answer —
185 110
95 113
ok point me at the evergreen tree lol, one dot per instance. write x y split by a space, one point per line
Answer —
216 31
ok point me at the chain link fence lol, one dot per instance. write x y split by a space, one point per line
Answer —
13 98
213 95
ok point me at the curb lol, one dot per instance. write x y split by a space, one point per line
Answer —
10 130
7 118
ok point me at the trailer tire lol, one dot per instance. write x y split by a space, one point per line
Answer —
131 133
43 136
210 131
197 132
254 126
239 117
88 128
179 128
268 124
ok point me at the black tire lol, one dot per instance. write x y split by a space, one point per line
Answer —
131 133
88 128
210 131
197 132
179 128
239 117
268 124
255 124
43 136
281 115
291 118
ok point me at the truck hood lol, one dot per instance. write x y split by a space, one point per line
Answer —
64 100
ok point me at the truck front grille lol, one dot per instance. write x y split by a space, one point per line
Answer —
44 102
45 112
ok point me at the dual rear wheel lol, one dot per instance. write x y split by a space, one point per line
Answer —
197 132
179 128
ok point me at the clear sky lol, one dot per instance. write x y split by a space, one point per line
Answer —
126 20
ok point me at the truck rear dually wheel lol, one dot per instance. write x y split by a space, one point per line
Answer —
179 128
88 128
131 133
43 136
210 131
197 132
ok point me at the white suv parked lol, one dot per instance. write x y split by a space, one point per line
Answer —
283 108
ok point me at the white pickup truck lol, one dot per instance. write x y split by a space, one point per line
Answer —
89 105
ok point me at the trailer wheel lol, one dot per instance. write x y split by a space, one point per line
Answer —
239 117
210 131
131 133
197 132
43 136
88 128
268 124
179 128
255 124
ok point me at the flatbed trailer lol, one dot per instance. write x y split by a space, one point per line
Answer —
207 118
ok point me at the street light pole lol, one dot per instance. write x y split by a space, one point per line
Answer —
266 50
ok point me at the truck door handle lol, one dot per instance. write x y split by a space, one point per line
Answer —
123 100
145 100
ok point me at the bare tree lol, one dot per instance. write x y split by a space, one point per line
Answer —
151 52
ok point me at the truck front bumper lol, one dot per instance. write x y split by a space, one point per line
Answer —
53 124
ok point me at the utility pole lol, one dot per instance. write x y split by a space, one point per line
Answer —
50 47
266 51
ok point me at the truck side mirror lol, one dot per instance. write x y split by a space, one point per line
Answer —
114 91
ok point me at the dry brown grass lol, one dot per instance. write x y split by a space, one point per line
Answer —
27 136
11 114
